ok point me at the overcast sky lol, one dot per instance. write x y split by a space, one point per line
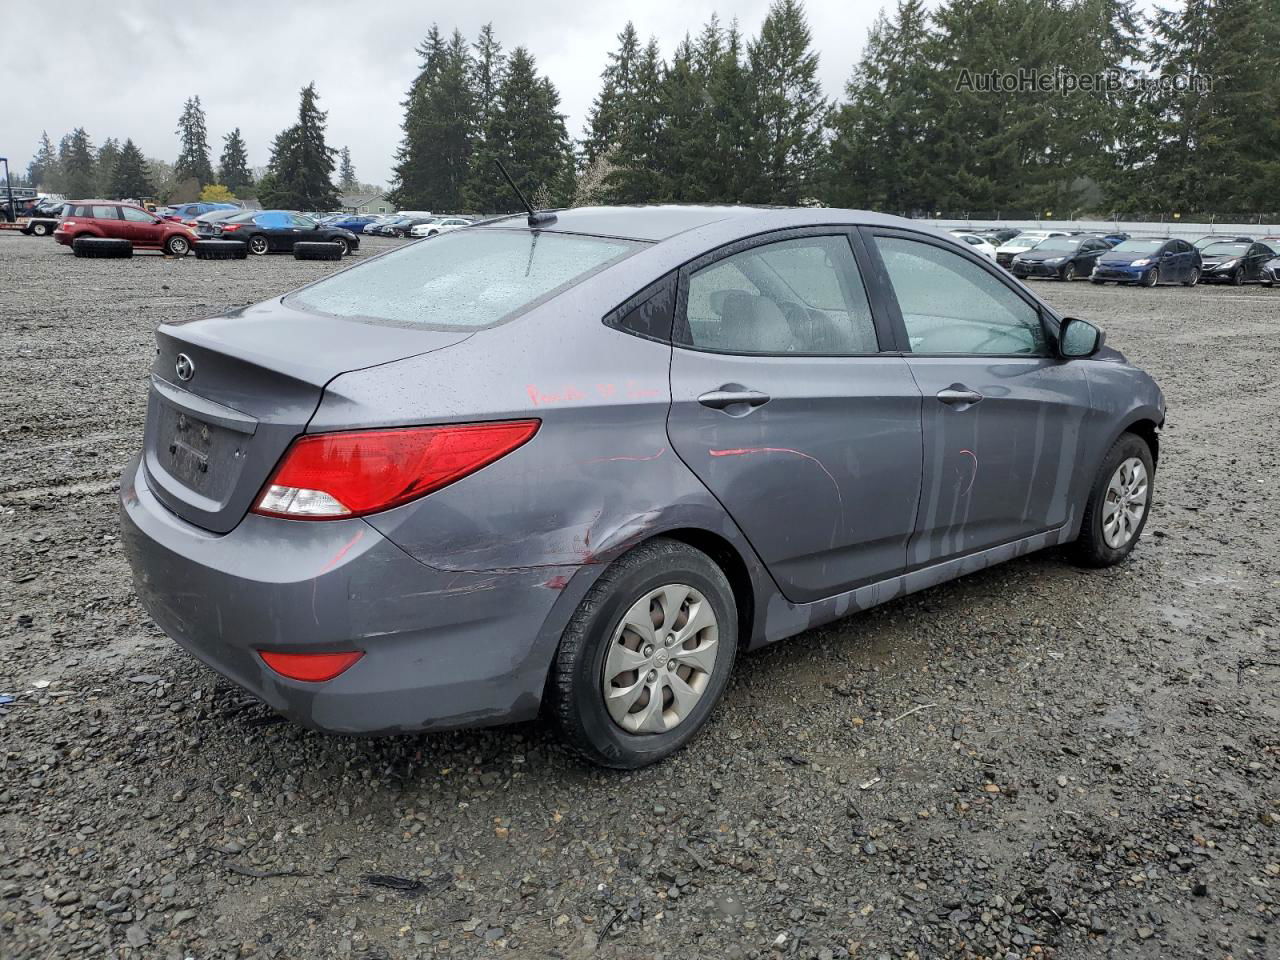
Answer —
122 68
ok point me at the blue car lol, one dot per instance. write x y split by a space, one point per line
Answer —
355 222
189 211
1146 261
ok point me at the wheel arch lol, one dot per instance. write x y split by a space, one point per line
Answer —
1147 429
726 556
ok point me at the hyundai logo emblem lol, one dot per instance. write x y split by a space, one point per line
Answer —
185 367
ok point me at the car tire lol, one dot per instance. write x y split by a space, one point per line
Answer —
220 250
1237 277
177 246
39 229
1151 277
342 243
1109 530
1193 279
101 247
316 250
660 571
1068 273
259 245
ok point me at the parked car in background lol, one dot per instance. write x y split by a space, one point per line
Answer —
123 221
1061 258
264 231
355 222
204 224
416 516
374 225
189 211
999 236
439 226
1235 262
1115 238
980 244
1148 261
401 227
1271 271
1022 243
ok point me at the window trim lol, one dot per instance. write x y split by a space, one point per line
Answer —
1049 321
681 335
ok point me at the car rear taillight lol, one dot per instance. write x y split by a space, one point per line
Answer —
310 667
328 476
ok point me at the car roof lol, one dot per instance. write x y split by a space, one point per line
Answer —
658 222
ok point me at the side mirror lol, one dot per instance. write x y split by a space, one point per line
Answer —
1078 339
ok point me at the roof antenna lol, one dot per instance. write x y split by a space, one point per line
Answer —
536 219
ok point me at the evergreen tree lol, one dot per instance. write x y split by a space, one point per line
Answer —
490 65
410 176
75 162
609 114
878 153
193 158
129 176
790 110
435 159
526 131
732 159
233 166
108 154
347 180
686 139
299 174
43 169
638 176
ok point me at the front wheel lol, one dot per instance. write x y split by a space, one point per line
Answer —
1151 277
646 656
259 246
1068 272
1118 504
342 245
1237 277
177 246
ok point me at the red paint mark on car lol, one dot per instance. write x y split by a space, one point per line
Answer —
558 582
747 451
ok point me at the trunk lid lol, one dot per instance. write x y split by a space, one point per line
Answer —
254 377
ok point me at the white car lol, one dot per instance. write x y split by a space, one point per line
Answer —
1022 243
979 244
443 225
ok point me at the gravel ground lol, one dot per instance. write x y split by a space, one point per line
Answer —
1034 761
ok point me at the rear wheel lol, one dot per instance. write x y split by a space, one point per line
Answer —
40 229
646 656
259 246
1192 280
177 246
1118 504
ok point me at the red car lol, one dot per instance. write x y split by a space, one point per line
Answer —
107 218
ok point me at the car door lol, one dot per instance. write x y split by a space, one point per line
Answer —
1257 256
106 217
785 406
1088 254
144 229
300 228
1002 415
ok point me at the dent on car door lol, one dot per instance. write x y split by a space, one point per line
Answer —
1002 416
785 408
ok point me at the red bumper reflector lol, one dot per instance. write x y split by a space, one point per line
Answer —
310 667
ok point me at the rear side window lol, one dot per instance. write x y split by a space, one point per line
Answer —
272 220
799 296
950 305
463 279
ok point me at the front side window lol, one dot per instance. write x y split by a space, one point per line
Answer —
134 215
463 279
951 305
799 296
299 221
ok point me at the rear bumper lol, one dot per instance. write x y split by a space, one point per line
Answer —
441 649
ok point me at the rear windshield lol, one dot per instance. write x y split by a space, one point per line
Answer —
461 280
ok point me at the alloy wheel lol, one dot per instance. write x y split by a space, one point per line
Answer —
660 659
1125 503
258 246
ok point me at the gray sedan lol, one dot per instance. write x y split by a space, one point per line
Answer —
580 463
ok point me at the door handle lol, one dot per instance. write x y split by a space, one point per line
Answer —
959 394
728 395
